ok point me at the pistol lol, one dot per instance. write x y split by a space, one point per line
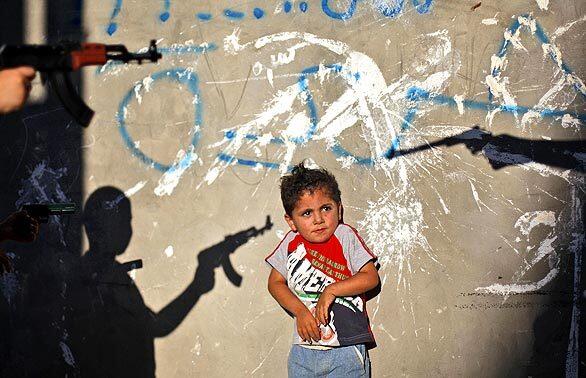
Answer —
56 61
42 211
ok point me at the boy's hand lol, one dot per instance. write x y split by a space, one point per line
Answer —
307 326
322 309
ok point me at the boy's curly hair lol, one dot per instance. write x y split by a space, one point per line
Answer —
304 179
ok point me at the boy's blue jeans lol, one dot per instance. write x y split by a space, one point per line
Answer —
349 361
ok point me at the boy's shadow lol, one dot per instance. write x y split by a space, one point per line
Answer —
111 329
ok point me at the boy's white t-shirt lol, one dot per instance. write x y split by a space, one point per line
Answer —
310 267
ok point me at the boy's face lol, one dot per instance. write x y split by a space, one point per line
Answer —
315 216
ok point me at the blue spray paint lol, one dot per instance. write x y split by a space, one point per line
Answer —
303 6
204 16
113 26
235 15
246 162
164 16
287 6
443 100
391 8
325 6
422 6
258 13
180 76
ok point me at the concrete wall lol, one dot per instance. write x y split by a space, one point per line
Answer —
455 129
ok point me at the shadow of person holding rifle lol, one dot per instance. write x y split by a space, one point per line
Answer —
112 330
505 150
551 327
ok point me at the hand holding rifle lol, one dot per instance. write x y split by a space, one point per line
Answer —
15 86
55 62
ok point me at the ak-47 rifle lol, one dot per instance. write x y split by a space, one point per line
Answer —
56 61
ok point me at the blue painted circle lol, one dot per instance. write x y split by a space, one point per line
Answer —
303 6
179 76
164 16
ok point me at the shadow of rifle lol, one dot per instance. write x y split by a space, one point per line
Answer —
505 150
219 254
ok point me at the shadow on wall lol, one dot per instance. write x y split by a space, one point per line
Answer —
505 150
557 347
40 151
111 329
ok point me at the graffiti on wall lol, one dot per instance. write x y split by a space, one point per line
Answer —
345 107
390 9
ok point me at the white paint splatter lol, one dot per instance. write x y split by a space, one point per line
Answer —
270 77
543 4
212 174
197 346
569 121
526 223
563 29
392 226
529 118
440 48
490 21
171 177
529 220
135 189
298 126
257 68
475 195
127 194
498 87
169 251
460 103
285 58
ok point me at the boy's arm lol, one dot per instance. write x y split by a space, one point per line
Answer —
364 280
307 326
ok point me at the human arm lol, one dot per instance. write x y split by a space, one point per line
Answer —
15 86
364 280
307 326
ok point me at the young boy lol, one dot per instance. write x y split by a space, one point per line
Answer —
320 273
